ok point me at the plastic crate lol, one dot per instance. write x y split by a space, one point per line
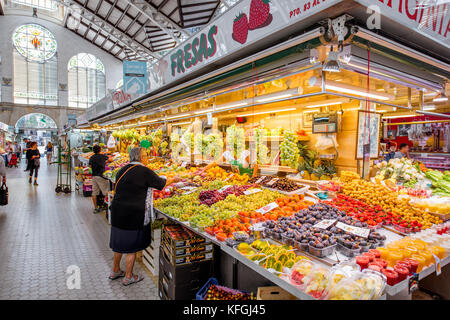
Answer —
201 294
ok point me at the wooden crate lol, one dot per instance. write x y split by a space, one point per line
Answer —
273 293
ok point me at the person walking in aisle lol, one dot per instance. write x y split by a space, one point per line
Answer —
17 150
2 169
27 154
98 162
34 161
131 213
49 150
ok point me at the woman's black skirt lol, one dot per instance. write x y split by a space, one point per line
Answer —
130 241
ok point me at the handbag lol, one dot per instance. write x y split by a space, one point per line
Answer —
37 162
3 194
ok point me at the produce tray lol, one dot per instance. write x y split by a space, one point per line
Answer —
201 294
186 237
187 251
187 259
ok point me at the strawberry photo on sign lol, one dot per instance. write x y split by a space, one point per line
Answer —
240 28
259 15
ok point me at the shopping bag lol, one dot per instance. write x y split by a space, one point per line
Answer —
3 195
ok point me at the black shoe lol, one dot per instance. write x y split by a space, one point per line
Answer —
35 183
29 180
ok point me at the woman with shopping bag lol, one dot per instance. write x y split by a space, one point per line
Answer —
3 187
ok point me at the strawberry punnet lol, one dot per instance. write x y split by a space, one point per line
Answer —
259 13
240 28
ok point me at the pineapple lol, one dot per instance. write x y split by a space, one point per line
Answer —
317 163
320 173
306 175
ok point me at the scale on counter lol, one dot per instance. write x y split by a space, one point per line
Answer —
325 122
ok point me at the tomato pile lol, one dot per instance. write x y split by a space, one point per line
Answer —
373 215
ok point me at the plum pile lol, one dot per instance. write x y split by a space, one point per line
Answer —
300 228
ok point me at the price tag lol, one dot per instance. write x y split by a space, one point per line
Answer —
184 164
360 232
324 224
260 179
437 264
224 188
251 191
271 182
189 189
229 177
257 227
267 208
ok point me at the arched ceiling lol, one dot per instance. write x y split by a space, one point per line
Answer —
130 29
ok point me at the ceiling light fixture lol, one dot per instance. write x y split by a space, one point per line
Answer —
265 112
331 63
345 88
235 105
400 116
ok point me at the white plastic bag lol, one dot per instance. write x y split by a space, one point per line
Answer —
325 142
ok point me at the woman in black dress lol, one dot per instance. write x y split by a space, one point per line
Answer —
34 157
131 213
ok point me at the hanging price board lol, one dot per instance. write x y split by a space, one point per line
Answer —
267 208
251 191
360 232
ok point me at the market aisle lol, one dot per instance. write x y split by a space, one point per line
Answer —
42 233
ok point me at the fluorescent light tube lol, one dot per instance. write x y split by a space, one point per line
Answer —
429 107
331 85
324 104
265 112
281 96
239 104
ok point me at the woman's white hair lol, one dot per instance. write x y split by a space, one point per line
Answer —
135 154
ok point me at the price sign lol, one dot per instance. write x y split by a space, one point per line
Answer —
267 208
413 283
251 191
257 227
360 232
271 182
324 224
260 179
224 188
184 164
229 177
189 189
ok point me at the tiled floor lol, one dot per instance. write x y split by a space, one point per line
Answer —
43 233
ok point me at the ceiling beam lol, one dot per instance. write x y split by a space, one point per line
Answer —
112 31
150 12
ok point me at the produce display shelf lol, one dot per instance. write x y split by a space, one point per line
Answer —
327 261
399 287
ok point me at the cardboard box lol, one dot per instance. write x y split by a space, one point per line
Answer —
274 293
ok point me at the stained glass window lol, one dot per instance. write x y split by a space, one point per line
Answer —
34 42
40 4
35 66
36 121
86 80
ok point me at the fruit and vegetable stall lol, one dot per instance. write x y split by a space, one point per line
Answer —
367 240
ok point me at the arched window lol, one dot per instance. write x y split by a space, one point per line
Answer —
35 65
86 80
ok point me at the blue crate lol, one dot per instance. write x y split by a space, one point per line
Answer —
201 294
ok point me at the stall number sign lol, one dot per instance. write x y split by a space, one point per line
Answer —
271 182
267 208
360 232
251 191
324 224
224 188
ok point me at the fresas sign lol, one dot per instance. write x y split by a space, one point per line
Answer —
201 48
